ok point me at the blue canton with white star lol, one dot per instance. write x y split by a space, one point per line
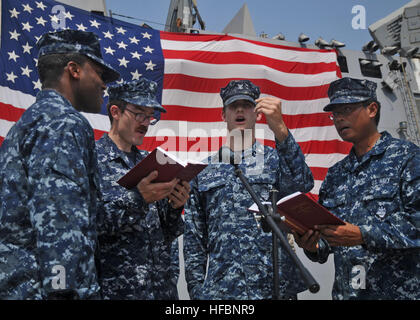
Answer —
132 50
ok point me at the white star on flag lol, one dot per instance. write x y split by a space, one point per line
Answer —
134 40
135 55
121 45
109 50
14 13
27 26
94 23
26 71
136 75
40 5
150 65
27 48
148 49
41 20
68 15
14 35
37 84
108 35
146 35
11 76
54 19
121 30
81 27
13 55
27 7
123 62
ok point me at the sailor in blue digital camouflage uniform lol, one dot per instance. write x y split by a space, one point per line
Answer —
376 190
48 182
219 229
136 227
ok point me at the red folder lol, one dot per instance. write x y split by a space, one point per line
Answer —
301 213
167 165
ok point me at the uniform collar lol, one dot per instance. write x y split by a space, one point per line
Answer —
53 94
112 151
378 149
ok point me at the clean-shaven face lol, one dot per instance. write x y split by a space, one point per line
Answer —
351 121
240 115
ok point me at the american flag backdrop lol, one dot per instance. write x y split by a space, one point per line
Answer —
189 69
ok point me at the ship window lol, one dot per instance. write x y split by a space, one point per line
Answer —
370 68
99 13
342 62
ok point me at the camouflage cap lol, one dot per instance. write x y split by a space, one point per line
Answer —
141 92
349 90
239 90
75 41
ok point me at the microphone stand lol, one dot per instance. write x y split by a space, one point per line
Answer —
268 217
275 253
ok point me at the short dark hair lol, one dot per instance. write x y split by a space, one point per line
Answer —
378 113
119 103
51 67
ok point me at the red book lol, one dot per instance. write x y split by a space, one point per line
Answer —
167 165
301 213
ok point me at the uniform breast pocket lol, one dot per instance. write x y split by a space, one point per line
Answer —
213 191
381 200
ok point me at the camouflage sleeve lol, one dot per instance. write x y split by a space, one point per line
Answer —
175 261
170 220
121 209
195 243
295 174
63 210
399 230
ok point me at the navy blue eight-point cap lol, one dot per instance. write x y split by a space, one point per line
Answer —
239 90
75 41
140 92
350 90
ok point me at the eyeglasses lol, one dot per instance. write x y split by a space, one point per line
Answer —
344 111
141 117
